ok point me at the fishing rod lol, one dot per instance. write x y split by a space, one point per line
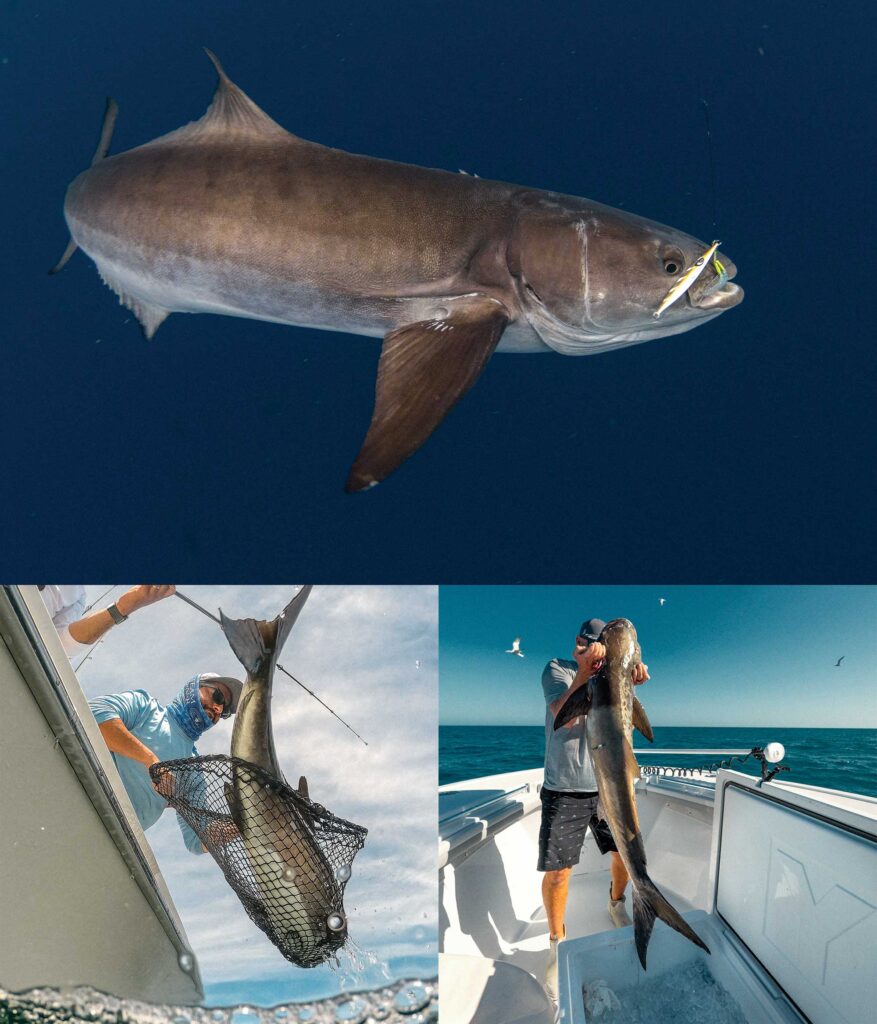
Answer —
210 615
100 640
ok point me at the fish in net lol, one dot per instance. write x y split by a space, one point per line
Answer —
287 858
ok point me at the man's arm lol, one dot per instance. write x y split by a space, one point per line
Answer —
122 741
589 659
91 628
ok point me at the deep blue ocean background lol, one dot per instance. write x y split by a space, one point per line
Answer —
218 451
836 758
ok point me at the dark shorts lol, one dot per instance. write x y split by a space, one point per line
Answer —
566 818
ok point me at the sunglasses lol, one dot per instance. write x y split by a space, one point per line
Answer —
218 697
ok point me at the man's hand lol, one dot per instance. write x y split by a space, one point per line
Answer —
143 595
640 673
164 784
590 658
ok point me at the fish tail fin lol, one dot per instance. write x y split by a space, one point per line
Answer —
110 113
649 903
254 640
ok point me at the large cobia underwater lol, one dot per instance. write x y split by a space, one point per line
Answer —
299 892
612 713
232 214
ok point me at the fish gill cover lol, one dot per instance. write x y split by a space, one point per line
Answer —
293 888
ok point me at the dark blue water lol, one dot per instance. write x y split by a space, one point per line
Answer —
837 758
736 452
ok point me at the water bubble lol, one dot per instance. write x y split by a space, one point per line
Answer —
411 998
217 1015
244 1015
281 1013
186 962
335 922
380 1011
342 872
353 1011
305 1013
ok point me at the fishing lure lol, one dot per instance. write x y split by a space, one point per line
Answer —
690 276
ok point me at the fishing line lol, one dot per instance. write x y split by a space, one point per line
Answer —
210 615
709 139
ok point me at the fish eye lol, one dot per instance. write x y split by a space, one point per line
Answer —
674 261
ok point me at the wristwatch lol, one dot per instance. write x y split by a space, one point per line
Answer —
116 615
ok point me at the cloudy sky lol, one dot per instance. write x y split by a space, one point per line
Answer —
735 656
371 654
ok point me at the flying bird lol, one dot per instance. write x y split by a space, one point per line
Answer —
516 647
839 660
662 601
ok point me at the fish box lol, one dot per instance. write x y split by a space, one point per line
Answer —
792 923
602 981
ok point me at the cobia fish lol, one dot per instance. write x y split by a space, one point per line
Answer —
612 713
299 892
233 214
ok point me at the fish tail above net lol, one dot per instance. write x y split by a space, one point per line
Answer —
286 857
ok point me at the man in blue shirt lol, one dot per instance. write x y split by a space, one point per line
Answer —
569 793
140 732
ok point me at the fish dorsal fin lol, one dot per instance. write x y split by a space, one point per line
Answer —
641 721
303 787
231 114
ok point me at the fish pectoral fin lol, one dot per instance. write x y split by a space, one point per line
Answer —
149 316
425 369
631 768
303 787
641 721
233 805
578 704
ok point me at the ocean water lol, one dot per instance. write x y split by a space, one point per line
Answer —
734 452
836 758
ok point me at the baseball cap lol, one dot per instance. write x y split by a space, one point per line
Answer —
235 685
592 628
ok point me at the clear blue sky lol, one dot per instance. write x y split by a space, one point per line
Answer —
722 656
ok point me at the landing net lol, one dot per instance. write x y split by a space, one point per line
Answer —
287 858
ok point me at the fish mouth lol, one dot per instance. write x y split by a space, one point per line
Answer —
713 291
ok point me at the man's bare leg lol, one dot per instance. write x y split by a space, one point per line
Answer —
620 877
555 886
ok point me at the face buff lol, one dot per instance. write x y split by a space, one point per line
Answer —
691 275
187 711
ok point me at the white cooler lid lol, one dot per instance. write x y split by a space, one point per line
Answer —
801 893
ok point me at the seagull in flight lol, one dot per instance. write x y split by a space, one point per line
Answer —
516 647
839 660
662 601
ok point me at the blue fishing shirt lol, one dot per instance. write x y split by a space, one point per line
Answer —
151 723
568 765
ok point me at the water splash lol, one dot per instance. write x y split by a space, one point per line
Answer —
405 1002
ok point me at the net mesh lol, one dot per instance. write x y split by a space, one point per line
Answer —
287 858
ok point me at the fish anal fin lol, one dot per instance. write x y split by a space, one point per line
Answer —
641 721
149 316
424 370
303 787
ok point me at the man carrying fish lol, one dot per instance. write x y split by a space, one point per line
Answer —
140 732
569 792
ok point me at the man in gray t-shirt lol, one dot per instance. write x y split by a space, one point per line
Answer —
569 792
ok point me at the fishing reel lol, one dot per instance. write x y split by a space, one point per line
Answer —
773 753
